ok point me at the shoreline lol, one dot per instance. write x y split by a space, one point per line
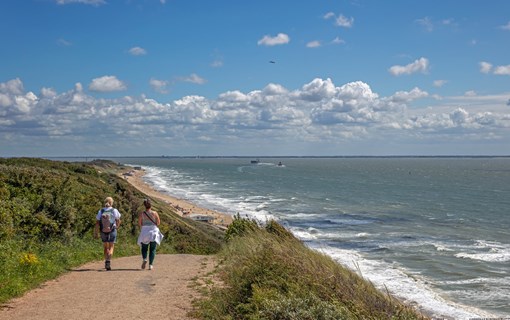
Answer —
182 207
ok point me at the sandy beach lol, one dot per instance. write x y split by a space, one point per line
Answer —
183 207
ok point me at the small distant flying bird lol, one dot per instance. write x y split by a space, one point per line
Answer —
272 61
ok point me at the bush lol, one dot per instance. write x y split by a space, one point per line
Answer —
47 214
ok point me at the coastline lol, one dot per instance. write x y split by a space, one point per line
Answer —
182 207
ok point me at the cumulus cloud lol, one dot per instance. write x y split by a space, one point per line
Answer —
439 83
502 70
107 84
137 51
343 21
279 39
159 86
318 111
313 44
194 78
340 20
485 67
337 40
420 65
506 26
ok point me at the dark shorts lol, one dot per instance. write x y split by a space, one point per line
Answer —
109 237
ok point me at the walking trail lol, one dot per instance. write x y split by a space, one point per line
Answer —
125 292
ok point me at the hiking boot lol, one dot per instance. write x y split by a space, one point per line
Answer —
107 265
151 267
144 263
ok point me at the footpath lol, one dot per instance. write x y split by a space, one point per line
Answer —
125 292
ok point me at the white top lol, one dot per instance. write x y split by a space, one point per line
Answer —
149 234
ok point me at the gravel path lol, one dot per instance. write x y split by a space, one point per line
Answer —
125 292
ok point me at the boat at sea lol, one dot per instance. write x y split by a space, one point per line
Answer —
255 161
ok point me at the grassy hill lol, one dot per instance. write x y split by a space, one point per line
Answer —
266 273
47 216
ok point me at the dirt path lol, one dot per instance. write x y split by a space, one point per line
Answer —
129 292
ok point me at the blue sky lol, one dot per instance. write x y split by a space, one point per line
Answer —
190 77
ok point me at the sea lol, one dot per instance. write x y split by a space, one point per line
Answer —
434 232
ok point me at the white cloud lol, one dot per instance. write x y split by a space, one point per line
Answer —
506 26
470 93
426 23
313 44
430 25
137 51
64 43
337 40
89 2
5 100
279 39
217 63
318 112
14 86
343 21
107 84
194 78
159 85
485 67
439 83
420 65
502 70
407 96
329 15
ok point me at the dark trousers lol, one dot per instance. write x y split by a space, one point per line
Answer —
152 251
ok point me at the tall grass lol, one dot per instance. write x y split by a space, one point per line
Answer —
269 274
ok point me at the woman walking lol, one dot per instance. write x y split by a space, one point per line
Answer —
150 236
107 222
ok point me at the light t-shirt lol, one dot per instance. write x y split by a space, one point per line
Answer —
116 214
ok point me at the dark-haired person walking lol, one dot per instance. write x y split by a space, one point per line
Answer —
150 236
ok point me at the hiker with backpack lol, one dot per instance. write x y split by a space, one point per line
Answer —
150 236
107 223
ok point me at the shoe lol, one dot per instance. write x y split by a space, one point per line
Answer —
107 265
151 267
144 263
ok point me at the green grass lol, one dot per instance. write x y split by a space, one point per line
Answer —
47 217
266 273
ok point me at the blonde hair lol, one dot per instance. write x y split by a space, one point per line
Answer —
108 202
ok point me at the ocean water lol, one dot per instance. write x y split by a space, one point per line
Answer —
434 231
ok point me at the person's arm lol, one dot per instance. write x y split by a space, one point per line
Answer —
156 216
117 221
140 219
96 230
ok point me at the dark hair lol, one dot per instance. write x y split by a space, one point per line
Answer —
147 203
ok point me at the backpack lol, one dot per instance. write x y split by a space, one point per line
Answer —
107 221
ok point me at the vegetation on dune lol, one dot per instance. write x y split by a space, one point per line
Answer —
47 214
269 274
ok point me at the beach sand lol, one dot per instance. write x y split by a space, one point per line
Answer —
183 207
